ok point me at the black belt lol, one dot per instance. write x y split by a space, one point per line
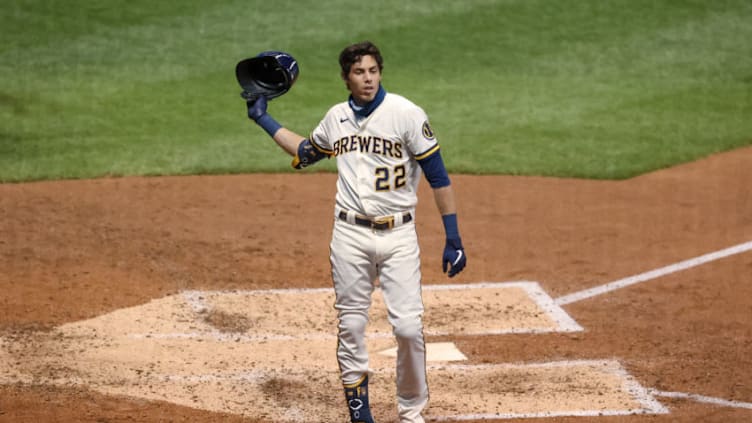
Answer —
380 224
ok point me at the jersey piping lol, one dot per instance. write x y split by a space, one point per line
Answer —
427 153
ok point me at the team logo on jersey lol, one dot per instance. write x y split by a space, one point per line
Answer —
427 131
367 144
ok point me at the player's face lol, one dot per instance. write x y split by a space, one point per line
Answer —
363 79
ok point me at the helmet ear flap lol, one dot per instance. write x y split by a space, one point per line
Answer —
270 73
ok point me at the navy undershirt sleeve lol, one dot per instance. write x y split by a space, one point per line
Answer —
433 168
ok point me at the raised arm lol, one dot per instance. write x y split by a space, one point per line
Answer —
288 140
293 144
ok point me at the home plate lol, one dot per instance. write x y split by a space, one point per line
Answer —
435 351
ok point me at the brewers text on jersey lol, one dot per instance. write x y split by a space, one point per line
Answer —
368 144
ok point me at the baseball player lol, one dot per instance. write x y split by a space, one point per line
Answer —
382 143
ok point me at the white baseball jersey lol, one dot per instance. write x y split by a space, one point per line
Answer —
378 175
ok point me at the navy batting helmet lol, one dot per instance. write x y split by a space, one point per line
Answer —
270 73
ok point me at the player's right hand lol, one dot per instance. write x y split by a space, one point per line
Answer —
454 258
256 108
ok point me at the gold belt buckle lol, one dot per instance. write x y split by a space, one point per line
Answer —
389 220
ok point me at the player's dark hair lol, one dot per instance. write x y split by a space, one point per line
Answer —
353 53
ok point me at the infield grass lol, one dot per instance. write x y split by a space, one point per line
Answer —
576 88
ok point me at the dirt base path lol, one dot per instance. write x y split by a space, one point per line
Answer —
75 250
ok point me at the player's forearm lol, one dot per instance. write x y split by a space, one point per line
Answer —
445 201
303 151
285 138
447 206
288 140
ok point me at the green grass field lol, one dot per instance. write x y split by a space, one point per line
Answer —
576 88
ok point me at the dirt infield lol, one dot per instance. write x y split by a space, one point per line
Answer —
77 250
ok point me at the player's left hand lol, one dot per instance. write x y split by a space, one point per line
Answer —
454 257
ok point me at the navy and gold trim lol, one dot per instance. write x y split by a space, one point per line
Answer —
320 148
427 153
307 154
356 384
433 168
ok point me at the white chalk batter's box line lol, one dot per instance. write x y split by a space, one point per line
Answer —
642 395
197 300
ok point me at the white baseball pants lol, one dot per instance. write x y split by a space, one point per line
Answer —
358 256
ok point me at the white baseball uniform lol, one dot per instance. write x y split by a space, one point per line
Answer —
378 181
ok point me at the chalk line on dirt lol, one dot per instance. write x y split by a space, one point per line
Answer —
703 399
653 274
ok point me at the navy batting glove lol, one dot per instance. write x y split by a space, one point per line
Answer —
454 257
257 112
257 108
